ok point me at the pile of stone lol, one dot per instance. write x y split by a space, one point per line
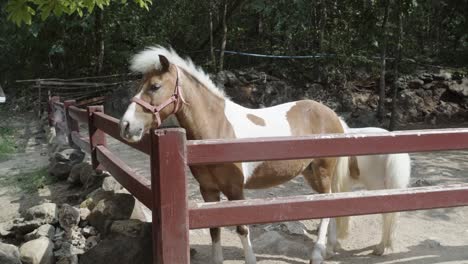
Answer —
105 224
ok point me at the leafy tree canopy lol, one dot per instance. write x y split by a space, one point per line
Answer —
23 11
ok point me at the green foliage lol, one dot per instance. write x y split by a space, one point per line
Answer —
7 142
29 181
64 45
22 11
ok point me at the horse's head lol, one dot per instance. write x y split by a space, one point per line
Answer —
159 96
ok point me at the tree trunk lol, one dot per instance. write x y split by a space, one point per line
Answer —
212 50
396 85
383 43
323 23
223 42
99 39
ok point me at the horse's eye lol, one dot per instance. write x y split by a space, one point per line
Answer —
155 87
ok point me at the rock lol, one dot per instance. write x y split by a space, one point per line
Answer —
426 77
94 197
86 175
9 254
59 169
293 228
91 242
84 213
75 172
120 248
20 226
130 228
68 217
71 155
459 87
111 184
442 76
89 231
37 251
67 250
46 212
430 243
120 206
274 243
43 231
73 259
415 83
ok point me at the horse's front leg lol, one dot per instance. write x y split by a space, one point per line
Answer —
244 235
213 195
318 175
243 230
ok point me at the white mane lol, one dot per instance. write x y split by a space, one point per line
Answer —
148 60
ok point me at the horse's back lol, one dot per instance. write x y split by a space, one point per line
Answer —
298 118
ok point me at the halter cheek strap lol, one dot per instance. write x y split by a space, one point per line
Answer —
176 98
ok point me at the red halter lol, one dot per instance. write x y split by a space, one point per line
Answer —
176 98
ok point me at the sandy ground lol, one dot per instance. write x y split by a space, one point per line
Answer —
432 236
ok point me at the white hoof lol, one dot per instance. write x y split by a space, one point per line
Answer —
250 260
318 254
217 255
379 250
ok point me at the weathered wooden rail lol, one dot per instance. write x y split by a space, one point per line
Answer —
170 154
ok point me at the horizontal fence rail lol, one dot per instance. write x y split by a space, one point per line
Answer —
80 115
137 185
81 142
331 145
260 211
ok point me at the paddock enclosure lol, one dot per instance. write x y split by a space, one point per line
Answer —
170 154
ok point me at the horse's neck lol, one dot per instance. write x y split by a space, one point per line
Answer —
203 116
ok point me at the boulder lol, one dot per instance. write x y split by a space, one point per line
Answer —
111 184
46 213
125 245
459 87
68 252
73 259
70 155
9 254
59 169
415 83
91 242
94 197
119 207
75 173
84 213
46 230
68 217
37 251
86 175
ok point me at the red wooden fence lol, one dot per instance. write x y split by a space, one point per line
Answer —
170 154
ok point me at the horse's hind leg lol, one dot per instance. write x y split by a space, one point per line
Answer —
319 177
242 230
213 195
388 228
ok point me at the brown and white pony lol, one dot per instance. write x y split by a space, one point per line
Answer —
172 85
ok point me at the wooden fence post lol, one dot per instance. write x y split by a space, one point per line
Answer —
72 125
170 200
51 109
96 136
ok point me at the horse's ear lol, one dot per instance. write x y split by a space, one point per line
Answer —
164 63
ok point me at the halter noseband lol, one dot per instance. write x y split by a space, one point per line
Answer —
176 98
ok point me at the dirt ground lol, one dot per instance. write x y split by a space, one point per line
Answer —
429 237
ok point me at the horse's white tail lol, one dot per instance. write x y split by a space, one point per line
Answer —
341 183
